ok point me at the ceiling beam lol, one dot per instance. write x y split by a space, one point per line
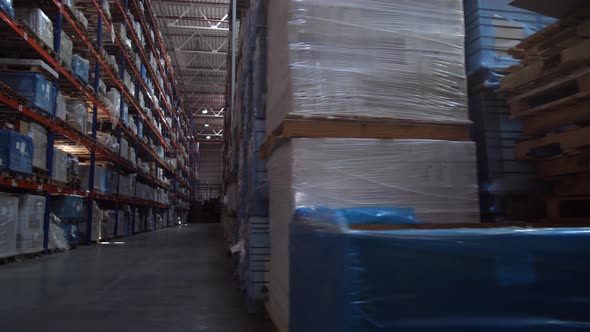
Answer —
190 27
193 18
196 51
192 2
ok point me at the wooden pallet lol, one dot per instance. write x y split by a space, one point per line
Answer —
562 166
560 47
300 127
550 96
567 143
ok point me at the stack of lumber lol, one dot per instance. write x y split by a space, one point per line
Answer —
548 91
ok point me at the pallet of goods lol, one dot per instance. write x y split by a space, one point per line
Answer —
548 92
366 107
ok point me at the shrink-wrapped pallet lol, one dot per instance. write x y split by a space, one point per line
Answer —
8 225
31 210
376 59
436 180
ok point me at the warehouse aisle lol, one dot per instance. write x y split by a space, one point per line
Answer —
176 279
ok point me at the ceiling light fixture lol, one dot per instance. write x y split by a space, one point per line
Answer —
205 112
206 125
208 137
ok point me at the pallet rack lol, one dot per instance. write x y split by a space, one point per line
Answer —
171 119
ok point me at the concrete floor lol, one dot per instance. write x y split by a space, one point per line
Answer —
176 279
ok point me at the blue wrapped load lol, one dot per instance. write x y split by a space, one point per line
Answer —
81 68
34 87
6 6
492 28
355 270
16 152
67 207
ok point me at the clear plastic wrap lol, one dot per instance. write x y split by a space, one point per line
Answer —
80 17
124 148
107 140
77 114
114 98
437 180
73 167
38 22
8 224
60 108
60 166
31 210
58 239
494 279
39 136
373 58
66 50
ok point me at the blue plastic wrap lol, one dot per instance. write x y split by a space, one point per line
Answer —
80 67
16 152
33 87
492 28
495 279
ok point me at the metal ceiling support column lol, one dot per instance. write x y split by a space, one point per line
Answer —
234 4
51 137
94 129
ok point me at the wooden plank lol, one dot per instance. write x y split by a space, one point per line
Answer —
569 115
563 166
353 128
569 143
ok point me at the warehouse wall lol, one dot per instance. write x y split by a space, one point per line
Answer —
210 166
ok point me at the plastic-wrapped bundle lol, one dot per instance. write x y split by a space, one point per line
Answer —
66 50
60 108
436 179
108 224
403 279
31 210
111 60
114 97
107 140
370 58
58 239
38 22
69 3
124 148
80 67
77 114
8 225
60 165
73 167
38 135
132 155
102 87
81 18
